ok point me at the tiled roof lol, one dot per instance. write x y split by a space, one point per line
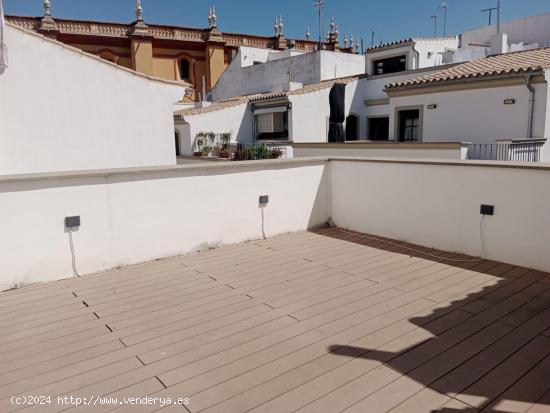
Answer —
388 45
503 64
405 42
223 104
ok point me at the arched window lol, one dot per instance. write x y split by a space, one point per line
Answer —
185 69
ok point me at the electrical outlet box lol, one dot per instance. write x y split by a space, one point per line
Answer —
264 199
72 222
487 210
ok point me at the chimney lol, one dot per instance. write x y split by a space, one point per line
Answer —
499 43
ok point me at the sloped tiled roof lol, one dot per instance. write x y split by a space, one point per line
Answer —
503 64
223 104
405 42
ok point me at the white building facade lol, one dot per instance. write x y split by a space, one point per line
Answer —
62 109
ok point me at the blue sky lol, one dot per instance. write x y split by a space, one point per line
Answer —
391 19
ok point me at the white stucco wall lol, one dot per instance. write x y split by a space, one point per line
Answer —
438 206
310 113
63 110
235 119
306 68
131 216
429 53
266 77
532 29
146 215
335 65
374 87
477 115
246 56
429 50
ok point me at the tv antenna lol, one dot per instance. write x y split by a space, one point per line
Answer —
490 11
320 5
434 18
444 6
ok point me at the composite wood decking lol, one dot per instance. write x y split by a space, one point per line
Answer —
325 321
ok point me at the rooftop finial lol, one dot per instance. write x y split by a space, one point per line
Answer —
276 27
308 34
345 41
213 18
332 25
139 11
47 8
281 26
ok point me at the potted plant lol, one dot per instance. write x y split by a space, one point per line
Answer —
210 137
200 140
225 139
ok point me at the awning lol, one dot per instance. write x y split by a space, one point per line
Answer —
276 109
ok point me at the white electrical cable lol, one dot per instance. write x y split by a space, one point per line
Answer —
482 241
409 248
73 255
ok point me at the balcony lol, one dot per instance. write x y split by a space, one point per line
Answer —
513 151
393 309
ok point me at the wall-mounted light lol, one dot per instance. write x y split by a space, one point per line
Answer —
509 101
432 106
188 92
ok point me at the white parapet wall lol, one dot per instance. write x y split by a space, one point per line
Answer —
62 109
437 204
136 215
443 150
130 216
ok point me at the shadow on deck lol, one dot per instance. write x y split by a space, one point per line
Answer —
495 356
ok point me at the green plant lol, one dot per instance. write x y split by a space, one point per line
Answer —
200 140
256 152
210 136
225 139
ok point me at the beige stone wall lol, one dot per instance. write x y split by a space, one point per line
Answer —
142 56
215 63
165 68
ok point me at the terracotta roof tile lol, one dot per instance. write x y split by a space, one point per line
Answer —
507 63
405 42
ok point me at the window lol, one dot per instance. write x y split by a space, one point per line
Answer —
409 125
352 128
271 125
185 69
379 128
389 65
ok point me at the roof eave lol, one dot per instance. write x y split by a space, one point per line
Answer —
470 79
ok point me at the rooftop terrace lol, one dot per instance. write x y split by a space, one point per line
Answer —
322 321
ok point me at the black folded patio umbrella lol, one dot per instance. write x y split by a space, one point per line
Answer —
337 100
